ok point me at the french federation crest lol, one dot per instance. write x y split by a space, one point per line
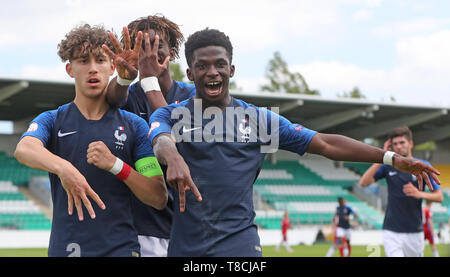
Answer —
120 137
245 130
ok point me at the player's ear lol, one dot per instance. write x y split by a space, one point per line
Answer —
189 74
232 68
69 69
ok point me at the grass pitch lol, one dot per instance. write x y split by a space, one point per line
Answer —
320 250
316 250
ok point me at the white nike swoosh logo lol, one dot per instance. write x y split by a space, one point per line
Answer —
392 173
189 130
65 134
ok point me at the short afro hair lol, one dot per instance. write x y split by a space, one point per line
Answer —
82 40
204 38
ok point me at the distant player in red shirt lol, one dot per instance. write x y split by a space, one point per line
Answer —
427 217
285 225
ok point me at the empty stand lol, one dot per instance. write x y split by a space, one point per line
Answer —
310 195
16 210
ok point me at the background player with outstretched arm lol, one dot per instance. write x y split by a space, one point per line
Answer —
403 225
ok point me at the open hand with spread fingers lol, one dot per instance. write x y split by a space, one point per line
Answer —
126 59
421 170
150 64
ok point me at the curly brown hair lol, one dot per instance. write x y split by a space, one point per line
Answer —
83 40
168 30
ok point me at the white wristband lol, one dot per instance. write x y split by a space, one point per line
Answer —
117 167
123 82
387 158
150 84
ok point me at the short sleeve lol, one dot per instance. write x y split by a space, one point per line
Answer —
160 122
381 173
142 147
41 127
293 137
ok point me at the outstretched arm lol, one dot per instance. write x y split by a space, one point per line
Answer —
368 177
31 152
341 148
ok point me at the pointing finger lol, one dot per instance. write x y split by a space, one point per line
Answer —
96 198
138 43
427 180
126 38
69 203
79 208
147 42
115 42
195 190
155 45
88 205
109 52
435 178
182 195
420 181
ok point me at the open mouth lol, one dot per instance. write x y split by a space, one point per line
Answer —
93 81
214 88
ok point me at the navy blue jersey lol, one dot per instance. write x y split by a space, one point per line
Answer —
148 220
67 133
224 172
343 213
403 213
137 100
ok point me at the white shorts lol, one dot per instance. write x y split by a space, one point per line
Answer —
403 244
153 246
341 232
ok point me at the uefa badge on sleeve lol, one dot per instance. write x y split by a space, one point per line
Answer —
33 127
153 127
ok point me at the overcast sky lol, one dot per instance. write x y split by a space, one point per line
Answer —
385 48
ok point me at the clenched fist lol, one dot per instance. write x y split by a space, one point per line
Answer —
99 155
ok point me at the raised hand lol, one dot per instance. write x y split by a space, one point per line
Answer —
126 59
419 169
149 65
